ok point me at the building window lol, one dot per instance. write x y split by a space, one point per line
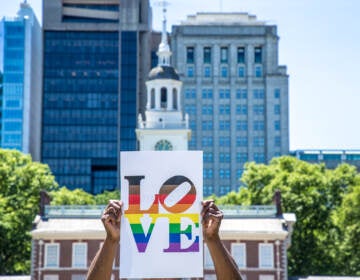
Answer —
224 109
241 55
224 125
190 71
190 109
208 173
163 99
277 109
190 93
224 174
259 110
241 141
277 125
207 141
78 277
208 262
152 99
224 190
224 55
277 141
51 277
266 277
241 109
224 157
79 255
224 141
238 251
277 93
224 93
258 94
259 157
208 157
241 157
52 251
239 173
207 71
207 109
207 55
241 93
241 71
258 55
190 55
224 72
259 125
258 71
266 255
259 141
242 125
207 93
207 125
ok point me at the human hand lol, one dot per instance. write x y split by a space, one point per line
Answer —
211 220
111 219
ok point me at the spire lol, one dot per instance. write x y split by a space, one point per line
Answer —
164 52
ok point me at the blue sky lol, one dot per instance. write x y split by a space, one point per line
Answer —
320 45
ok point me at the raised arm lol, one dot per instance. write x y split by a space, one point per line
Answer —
101 266
225 266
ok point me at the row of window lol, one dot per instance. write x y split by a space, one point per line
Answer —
224 71
238 251
78 260
225 109
241 141
240 125
224 55
225 93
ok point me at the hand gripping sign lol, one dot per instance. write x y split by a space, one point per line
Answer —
161 233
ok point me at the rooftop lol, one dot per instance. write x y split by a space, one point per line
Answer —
223 18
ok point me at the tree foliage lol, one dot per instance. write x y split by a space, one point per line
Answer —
21 181
314 194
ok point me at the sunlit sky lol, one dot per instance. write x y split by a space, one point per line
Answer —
320 45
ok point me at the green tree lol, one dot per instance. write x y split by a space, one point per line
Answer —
347 220
64 196
103 198
21 181
310 191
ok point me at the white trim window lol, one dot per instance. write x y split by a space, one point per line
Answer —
78 277
51 277
266 255
52 253
79 255
208 262
238 251
266 277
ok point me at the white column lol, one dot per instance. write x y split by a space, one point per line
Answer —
148 102
157 98
169 99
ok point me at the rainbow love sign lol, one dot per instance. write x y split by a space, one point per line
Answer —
161 234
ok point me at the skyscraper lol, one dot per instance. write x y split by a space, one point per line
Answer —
95 62
235 92
21 98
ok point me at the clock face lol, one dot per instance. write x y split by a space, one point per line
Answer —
163 145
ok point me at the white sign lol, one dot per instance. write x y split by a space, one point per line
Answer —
161 234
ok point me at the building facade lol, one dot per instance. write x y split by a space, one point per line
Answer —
164 127
22 88
331 158
95 65
235 92
66 239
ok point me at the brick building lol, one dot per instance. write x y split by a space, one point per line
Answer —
66 239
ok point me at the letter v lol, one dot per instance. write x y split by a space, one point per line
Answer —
141 239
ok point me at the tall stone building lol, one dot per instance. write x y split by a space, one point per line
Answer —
235 93
21 97
95 63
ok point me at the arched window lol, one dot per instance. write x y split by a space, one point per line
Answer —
163 98
175 101
152 99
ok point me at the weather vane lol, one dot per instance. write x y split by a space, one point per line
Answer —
163 4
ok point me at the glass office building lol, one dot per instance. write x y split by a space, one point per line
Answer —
21 96
91 85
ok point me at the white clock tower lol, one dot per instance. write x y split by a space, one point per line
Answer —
165 127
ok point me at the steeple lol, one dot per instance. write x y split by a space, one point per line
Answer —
164 52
